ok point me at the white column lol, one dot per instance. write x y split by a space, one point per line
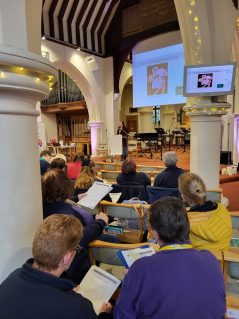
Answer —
205 147
24 80
207 29
146 121
96 136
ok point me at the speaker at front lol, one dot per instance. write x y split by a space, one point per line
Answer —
226 158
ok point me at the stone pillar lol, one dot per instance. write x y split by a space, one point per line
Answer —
146 120
24 79
207 29
206 141
96 136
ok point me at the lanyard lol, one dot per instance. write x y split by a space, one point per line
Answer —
175 247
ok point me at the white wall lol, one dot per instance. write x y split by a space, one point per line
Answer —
96 86
50 126
91 83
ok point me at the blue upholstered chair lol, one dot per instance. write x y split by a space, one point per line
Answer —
155 193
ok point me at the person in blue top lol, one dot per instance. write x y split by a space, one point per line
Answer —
45 158
178 281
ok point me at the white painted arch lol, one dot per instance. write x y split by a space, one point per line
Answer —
84 86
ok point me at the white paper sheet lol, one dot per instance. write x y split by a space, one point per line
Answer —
98 286
132 255
95 194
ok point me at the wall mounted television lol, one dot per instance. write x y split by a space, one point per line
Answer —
209 80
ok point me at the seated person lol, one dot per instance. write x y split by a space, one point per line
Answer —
58 163
60 155
210 223
56 188
178 281
169 177
93 171
73 169
36 290
84 181
45 158
130 176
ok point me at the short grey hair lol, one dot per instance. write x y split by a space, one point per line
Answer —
170 159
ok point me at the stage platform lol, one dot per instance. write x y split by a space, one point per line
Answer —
183 159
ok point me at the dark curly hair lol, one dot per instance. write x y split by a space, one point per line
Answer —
56 186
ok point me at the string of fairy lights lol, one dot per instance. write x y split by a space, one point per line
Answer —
37 76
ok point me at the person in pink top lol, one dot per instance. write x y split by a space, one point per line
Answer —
73 169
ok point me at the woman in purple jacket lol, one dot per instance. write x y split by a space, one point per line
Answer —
178 281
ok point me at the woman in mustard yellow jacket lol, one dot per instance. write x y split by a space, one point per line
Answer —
210 222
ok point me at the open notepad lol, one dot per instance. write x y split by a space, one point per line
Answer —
94 195
128 257
98 286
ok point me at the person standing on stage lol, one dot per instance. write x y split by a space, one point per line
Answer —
122 129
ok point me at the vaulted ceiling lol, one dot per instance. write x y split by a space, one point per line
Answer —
107 27
103 27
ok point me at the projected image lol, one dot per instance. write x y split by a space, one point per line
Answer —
205 80
158 76
157 79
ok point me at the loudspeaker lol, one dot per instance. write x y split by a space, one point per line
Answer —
91 62
226 158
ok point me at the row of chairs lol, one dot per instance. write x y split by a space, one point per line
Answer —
106 252
152 193
137 214
101 252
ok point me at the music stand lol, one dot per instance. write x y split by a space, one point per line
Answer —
160 131
178 132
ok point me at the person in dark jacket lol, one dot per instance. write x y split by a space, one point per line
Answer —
36 290
130 176
123 131
45 158
56 188
169 177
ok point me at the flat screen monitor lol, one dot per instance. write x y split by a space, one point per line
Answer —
209 80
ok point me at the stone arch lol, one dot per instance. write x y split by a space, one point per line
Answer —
126 74
84 85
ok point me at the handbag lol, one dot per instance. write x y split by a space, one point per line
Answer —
133 223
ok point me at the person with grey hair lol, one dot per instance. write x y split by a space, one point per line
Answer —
169 177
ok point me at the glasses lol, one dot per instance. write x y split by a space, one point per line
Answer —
78 249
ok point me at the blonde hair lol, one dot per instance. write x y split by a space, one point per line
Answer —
57 235
85 179
192 188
